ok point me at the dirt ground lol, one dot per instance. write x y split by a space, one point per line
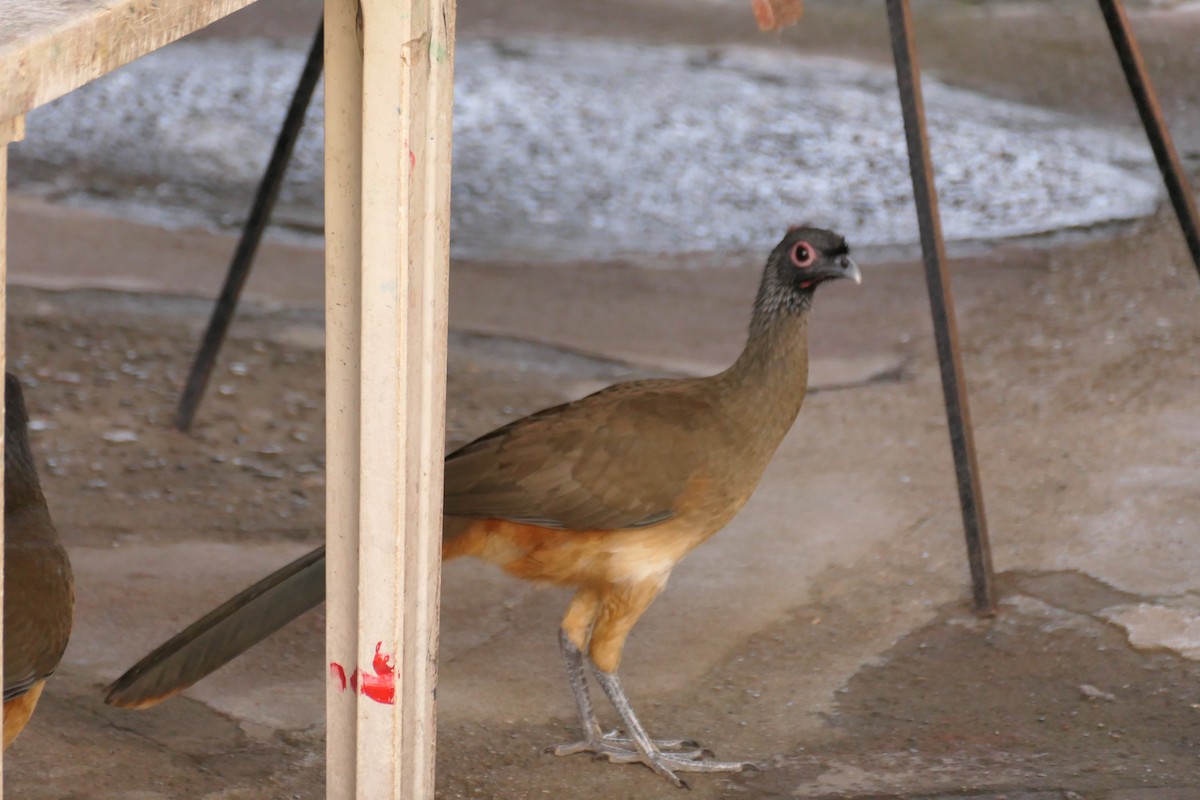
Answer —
825 635
823 692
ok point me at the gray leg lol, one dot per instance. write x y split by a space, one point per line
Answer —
648 753
573 658
607 745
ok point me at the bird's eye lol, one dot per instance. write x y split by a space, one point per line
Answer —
803 255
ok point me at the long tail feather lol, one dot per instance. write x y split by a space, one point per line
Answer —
223 634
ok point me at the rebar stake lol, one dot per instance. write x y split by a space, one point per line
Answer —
937 278
256 223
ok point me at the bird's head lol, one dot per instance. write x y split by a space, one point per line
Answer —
806 258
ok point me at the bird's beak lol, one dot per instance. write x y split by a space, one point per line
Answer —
850 269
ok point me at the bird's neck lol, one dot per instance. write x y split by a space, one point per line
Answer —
769 378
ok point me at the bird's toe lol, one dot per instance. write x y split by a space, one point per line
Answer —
700 761
599 748
663 745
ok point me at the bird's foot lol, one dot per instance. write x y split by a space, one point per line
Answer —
668 756
622 749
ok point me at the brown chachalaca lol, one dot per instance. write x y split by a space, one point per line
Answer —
606 494
39 594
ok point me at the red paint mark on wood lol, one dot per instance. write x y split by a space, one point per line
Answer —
380 686
412 157
338 675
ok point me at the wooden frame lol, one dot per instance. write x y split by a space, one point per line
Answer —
389 83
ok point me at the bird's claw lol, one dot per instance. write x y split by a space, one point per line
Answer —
668 757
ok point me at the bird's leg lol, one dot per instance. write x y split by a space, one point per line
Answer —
665 764
610 745
610 614
573 658
577 624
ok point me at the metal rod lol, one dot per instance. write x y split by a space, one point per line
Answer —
941 302
1152 120
256 223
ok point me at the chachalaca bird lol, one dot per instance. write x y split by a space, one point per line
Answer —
606 494
39 594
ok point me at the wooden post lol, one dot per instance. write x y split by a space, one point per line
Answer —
343 352
11 130
387 297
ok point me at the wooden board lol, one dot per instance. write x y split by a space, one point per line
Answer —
50 47
387 278
343 356
3 366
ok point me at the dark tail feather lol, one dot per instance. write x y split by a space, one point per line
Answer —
222 635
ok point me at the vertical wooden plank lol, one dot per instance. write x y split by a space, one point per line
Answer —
11 130
429 152
383 529
343 260
3 366
407 87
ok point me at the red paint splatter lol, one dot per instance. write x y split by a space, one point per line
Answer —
380 687
412 157
336 673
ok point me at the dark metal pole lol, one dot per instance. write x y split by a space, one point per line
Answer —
243 256
1152 119
945 328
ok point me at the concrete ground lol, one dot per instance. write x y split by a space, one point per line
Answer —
825 634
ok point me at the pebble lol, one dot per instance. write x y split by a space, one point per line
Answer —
1090 692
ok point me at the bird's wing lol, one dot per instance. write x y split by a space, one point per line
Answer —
223 634
38 601
620 458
